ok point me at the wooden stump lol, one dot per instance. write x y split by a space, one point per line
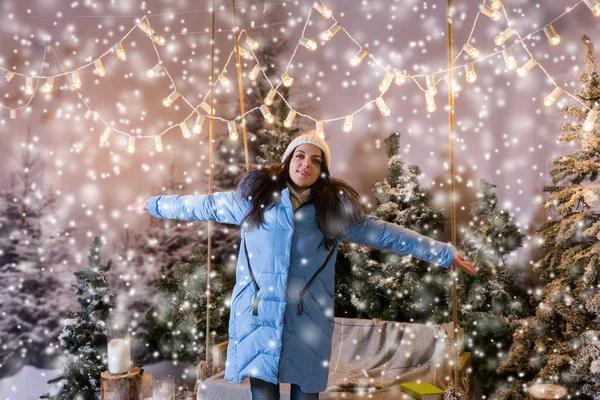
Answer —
546 391
120 387
146 385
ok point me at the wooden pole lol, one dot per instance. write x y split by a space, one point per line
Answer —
210 187
456 387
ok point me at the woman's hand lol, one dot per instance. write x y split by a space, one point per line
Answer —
138 206
460 263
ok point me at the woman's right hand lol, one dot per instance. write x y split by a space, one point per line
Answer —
138 206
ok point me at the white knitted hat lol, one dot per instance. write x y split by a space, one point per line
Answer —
309 137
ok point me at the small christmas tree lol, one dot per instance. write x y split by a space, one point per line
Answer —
491 299
33 257
561 343
83 337
178 321
384 285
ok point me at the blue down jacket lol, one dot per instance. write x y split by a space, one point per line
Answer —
281 320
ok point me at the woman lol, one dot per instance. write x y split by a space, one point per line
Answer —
292 217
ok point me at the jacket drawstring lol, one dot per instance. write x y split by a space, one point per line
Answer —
255 300
303 292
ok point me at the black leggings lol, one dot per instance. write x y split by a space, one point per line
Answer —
262 390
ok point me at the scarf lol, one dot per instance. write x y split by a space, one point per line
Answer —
298 198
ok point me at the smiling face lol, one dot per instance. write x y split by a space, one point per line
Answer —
305 165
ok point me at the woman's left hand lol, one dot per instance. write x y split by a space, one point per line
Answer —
460 263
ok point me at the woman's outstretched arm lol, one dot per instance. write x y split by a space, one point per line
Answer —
378 234
222 207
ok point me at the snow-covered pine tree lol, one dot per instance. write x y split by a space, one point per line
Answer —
178 318
561 343
83 336
384 285
489 301
33 257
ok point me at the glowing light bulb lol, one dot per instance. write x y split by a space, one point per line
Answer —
590 121
321 8
270 96
496 4
287 80
197 128
430 81
553 37
253 74
245 54
75 80
289 120
207 108
553 96
167 101
471 50
29 90
131 145
99 68
493 14
526 68
386 82
400 79
121 55
348 121
503 37
233 135
269 118
158 146
88 114
13 114
154 71
383 108
105 136
470 74
8 76
223 79
509 60
185 131
309 44
455 86
358 57
159 40
430 100
144 27
593 5
330 33
320 129
49 85
252 43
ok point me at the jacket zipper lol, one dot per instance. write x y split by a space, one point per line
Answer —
303 292
256 287
304 204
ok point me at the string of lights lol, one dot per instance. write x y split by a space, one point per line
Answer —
493 11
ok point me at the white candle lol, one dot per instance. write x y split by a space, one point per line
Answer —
119 356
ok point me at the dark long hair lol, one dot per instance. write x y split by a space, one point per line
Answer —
337 204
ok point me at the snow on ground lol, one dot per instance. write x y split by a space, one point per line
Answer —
30 382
